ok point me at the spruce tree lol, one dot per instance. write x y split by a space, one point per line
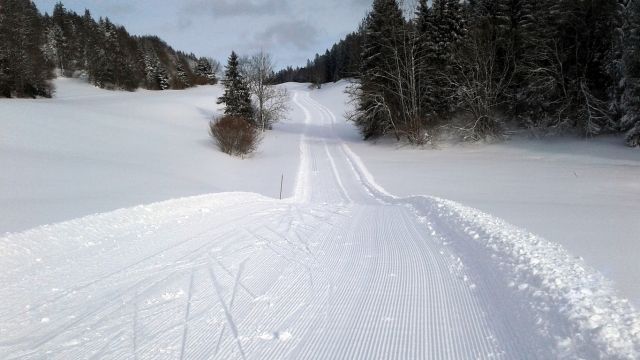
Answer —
156 77
236 97
631 70
376 104
181 78
441 28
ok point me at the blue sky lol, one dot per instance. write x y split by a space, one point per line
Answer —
291 30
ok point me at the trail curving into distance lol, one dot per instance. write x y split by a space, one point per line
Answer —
343 270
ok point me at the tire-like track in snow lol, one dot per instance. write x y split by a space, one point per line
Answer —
337 272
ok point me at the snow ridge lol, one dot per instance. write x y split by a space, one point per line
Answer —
302 188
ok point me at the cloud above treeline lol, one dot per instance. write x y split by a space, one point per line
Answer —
292 30
298 34
233 8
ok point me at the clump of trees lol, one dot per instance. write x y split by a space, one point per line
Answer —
24 70
479 67
33 45
252 104
340 62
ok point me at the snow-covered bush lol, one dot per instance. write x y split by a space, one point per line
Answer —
235 135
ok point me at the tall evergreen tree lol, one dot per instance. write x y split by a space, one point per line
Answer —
236 97
156 77
631 70
442 28
181 79
375 102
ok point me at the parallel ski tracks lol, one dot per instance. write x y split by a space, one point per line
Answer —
338 275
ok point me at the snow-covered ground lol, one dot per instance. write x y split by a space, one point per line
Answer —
582 194
340 269
89 150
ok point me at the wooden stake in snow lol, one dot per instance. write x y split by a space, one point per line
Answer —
281 181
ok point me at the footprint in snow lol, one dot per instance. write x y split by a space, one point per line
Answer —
281 336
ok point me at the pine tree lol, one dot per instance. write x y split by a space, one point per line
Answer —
181 79
376 104
631 70
57 31
441 28
156 77
236 97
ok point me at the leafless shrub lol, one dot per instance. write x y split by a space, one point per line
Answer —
478 84
235 135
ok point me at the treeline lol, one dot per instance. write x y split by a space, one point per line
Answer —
481 66
340 62
32 46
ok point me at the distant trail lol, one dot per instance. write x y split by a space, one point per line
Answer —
342 270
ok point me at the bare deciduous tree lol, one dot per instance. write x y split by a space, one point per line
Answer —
479 85
397 107
271 101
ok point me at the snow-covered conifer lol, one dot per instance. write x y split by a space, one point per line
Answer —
631 65
374 104
236 97
204 70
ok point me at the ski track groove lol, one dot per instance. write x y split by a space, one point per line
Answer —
227 311
186 315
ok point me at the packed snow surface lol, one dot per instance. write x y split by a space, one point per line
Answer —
581 193
341 269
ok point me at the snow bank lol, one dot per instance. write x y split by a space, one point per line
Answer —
63 240
575 306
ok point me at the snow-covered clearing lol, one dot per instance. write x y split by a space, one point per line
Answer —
341 269
89 151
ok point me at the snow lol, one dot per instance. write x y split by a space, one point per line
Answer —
582 194
343 268
89 150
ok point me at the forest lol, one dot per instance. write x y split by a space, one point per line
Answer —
482 67
33 47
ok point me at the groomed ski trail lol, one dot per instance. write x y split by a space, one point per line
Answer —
343 270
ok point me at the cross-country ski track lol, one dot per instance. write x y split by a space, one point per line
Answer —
342 270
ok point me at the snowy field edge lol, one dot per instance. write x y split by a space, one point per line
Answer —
575 307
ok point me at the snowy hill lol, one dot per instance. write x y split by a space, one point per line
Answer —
90 150
345 267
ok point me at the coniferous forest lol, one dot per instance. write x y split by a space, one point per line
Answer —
33 45
482 67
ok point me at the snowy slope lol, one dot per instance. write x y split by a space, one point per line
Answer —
342 269
89 150
582 194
